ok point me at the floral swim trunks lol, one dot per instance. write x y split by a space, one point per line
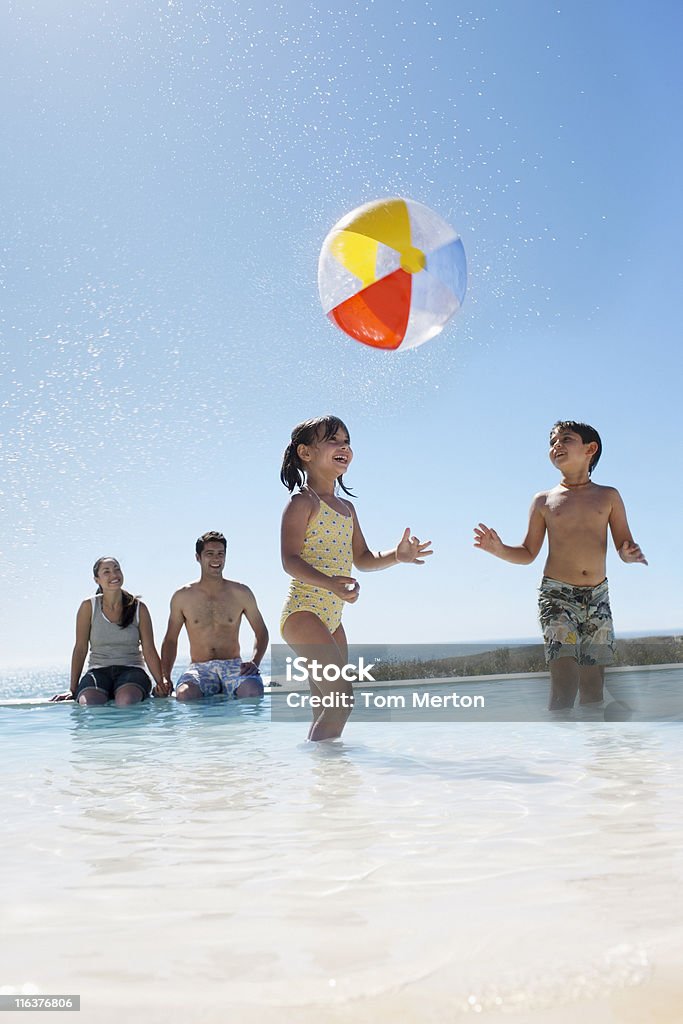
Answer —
216 677
576 622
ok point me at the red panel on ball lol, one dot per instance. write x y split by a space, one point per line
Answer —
377 315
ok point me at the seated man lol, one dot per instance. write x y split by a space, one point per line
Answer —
211 610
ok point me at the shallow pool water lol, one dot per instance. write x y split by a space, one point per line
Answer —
199 862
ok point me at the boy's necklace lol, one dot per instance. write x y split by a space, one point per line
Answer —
563 483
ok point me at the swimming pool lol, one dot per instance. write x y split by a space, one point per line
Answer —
177 862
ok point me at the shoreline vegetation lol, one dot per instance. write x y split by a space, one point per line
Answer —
526 658
496 661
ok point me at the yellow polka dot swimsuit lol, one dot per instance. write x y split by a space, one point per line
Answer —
328 548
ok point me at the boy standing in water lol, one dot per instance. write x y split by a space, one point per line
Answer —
573 600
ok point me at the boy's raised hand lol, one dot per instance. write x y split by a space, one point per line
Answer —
410 549
487 540
630 552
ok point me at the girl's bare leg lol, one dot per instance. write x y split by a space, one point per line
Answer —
310 638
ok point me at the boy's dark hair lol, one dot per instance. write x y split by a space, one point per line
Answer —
587 435
322 428
207 537
130 601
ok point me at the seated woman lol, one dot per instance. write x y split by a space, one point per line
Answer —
115 625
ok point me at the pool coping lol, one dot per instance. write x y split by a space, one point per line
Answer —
391 684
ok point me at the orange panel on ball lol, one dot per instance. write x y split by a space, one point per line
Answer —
377 315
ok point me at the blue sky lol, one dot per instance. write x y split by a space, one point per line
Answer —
170 172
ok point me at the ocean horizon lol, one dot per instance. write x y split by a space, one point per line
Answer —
61 666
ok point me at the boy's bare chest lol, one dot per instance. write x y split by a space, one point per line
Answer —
568 510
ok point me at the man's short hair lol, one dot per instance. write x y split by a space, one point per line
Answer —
585 432
207 538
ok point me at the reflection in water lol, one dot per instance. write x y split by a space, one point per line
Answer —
192 824
162 777
631 815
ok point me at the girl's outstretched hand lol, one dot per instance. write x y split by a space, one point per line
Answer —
345 587
410 549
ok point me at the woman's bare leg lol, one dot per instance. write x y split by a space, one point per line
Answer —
92 697
127 694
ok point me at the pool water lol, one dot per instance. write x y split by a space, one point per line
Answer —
175 862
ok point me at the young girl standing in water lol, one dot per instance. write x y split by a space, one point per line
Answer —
321 541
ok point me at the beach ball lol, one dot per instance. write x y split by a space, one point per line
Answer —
392 273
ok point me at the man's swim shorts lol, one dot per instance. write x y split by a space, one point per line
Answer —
216 677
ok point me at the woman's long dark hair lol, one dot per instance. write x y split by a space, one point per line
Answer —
130 602
322 428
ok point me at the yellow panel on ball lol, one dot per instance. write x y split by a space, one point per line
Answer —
392 273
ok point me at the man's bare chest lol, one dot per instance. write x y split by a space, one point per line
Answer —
214 613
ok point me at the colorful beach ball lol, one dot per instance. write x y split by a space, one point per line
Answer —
392 273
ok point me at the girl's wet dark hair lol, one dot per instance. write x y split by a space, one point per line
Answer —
130 602
587 434
309 432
